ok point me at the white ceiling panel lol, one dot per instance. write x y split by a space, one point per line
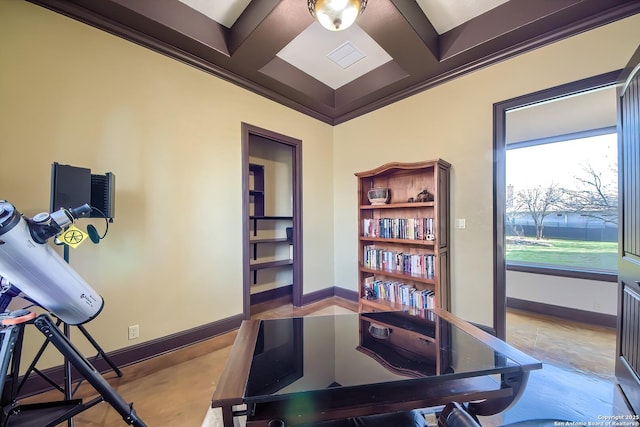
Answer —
445 15
308 52
224 12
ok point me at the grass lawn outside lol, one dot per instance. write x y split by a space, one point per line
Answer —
564 253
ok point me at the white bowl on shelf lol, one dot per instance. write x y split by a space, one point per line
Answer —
379 195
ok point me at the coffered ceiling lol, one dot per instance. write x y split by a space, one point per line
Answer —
395 49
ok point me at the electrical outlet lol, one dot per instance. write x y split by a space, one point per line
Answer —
134 332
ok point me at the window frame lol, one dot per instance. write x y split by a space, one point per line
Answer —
549 269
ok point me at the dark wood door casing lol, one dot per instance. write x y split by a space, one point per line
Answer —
296 145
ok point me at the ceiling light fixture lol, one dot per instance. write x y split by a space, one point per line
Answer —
336 15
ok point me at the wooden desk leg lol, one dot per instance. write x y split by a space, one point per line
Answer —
227 416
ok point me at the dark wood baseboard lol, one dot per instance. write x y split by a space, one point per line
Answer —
137 353
316 296
345 294
272 294
576 315
334 291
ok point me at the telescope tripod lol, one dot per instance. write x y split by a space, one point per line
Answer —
49 414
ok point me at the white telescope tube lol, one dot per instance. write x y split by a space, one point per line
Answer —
41 274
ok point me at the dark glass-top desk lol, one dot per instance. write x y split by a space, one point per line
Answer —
318 368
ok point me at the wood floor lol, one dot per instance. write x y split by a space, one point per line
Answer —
175 389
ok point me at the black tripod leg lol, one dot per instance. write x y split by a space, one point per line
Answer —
44 324
100 350
11 344
32 367
68 392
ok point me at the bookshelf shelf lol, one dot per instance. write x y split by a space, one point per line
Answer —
399 275
428 243
411 260
270 217
412 205
383 305
275 240
270 264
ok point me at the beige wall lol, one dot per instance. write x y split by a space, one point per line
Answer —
171 134
453 121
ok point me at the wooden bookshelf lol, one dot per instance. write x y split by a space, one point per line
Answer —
256 192
257 200
403 245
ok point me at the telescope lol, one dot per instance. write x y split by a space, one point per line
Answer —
32 269
32 266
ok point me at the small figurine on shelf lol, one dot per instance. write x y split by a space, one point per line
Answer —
424 196
369 293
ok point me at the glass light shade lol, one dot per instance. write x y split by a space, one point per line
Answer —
336 15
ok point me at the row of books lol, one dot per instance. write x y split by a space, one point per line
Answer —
390 260
400 293
399 228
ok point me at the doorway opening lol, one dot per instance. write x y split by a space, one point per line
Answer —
272 226
528 204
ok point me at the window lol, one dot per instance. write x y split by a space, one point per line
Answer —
562 202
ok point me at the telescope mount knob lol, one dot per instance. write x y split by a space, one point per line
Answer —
41 218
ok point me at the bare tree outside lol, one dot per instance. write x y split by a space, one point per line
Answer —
565 194
539 202
596 195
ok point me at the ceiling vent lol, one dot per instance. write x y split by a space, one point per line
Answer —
345 55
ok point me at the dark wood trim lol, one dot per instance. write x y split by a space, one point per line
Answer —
420 24
298 287
340 403
137 353
499 211
271 294
375 80
179 17
247 131
563 272
499 179
491 26
318 295
285 73
347 294
333 291
485 328
248 21
567 313
230 387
